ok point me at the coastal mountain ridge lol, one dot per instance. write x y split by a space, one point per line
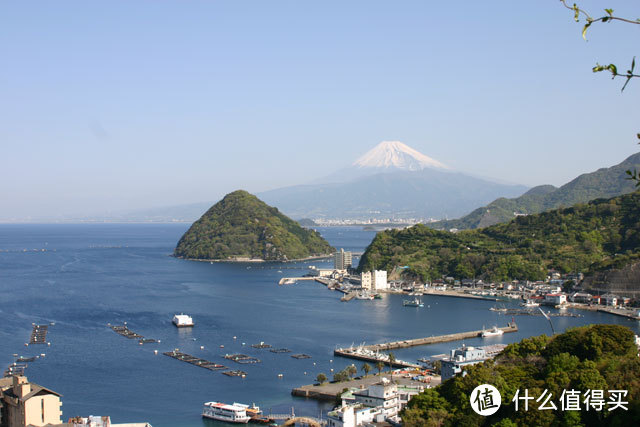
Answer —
605 182
241 227
601 235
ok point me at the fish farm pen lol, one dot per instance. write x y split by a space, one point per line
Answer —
196 361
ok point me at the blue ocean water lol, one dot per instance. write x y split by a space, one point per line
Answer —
84 276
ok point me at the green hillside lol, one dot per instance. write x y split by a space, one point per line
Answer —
242 226
602 234
595 357
603 183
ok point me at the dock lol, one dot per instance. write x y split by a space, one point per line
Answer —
39 334
330 390
369 353
196 361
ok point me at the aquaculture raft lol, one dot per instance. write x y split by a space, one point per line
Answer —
184 357
125 332
235 373
242 358
39 334
301 356
261 345
280 350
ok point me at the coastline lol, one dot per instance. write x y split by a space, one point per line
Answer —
256 260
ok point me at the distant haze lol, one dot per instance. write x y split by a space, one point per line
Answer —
118 106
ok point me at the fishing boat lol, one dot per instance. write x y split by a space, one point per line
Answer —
364 295
182 320
416 302
493 332
377 296
498 309
530 304
235 413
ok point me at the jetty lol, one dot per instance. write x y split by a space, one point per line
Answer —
370 353
39 334
330 390
196 361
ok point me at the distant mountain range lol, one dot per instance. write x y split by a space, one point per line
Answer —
603 183
391 180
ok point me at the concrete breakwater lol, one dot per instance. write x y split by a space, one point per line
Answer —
370 353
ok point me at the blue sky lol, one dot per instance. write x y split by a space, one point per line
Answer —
123 104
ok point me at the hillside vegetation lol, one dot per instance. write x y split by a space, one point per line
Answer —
602 234
242 226
603 183
596 357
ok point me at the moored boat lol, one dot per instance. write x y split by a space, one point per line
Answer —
235 413
416 302
493 332
182 320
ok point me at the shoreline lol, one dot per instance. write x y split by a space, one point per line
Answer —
256 260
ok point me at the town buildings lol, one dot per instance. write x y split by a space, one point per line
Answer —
342 260
28 404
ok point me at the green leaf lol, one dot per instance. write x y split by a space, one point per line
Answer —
613 69
633 64
638 135
584 30
609 11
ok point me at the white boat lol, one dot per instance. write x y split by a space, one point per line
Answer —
493 332
182 320
289 281
224 412
416 302
364 295
530 304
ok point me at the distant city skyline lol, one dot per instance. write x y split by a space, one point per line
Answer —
120 105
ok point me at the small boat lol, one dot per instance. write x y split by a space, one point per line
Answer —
377 296
182 320
530 304
498 309
493 332
364 295
235 413
289 282
416 302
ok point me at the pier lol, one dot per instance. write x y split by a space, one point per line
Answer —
369 353
39 334
184 357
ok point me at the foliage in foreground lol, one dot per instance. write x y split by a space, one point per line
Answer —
595 357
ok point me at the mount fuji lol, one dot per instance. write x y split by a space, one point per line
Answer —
392 180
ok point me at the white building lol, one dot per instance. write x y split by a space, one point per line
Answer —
459 358
379 280
353 415
609 299
365 280
342 260
383 394
555 298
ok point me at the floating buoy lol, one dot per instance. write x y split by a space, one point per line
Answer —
280 375
221 346
42 354
155 351
330 360
305 372
201 347
194 339
49 343
234 337
242 343
314 363
331 369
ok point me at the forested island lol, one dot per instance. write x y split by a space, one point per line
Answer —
597 236
241 227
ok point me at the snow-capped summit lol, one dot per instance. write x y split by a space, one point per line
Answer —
396 155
